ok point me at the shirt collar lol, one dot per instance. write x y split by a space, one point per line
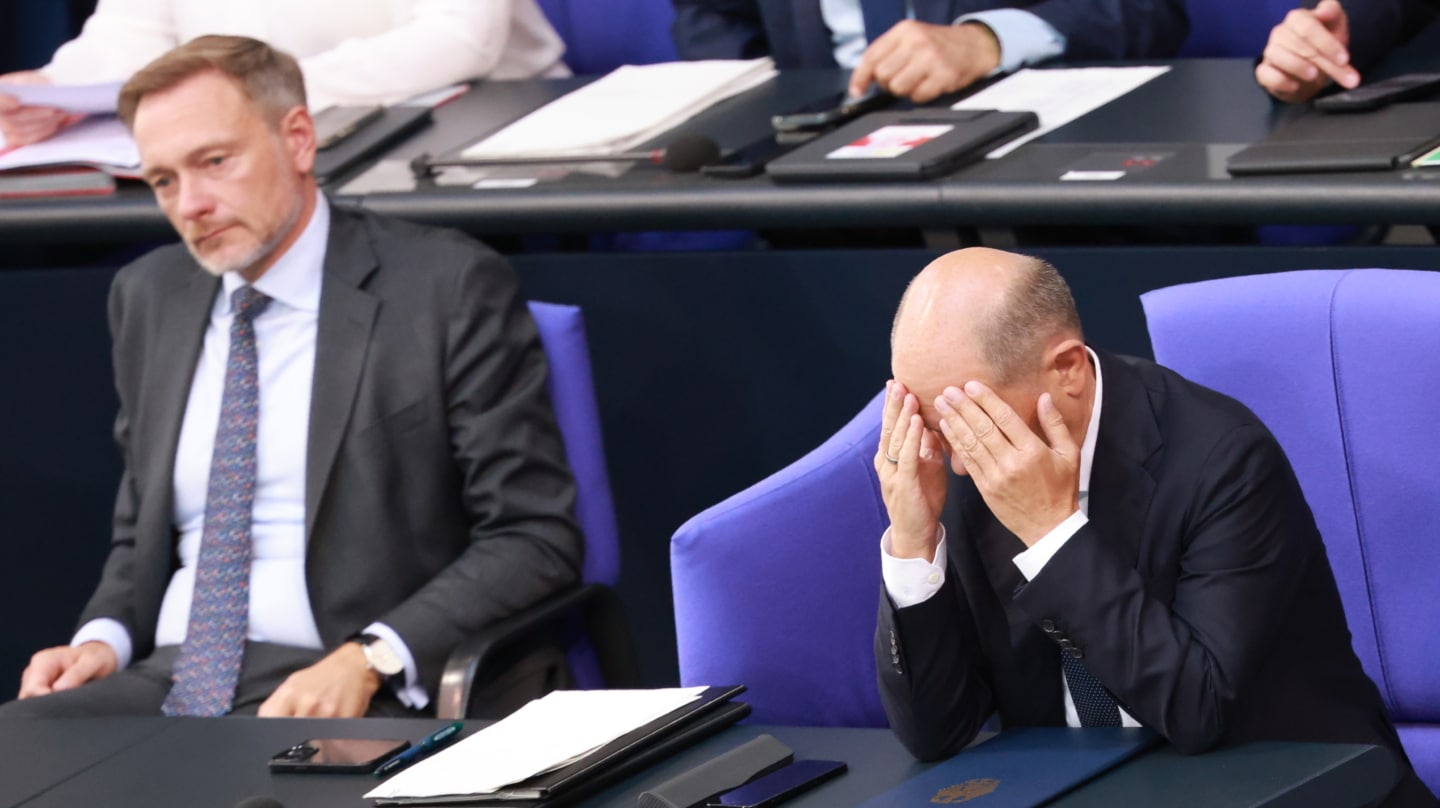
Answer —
1092 429
294 278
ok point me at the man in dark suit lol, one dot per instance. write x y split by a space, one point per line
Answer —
941 47
1121 547
340 458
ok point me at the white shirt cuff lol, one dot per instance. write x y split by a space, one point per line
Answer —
1039 554
1024 38
412 695
111 632
909 581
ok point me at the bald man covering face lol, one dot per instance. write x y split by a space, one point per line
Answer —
1116 546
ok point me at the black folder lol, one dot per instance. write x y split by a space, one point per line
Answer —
913 145
396 124
666 735
1382 140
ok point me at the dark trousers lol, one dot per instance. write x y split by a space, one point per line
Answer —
141 688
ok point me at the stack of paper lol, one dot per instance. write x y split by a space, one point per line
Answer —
541 736
629 106
1057 95
102 143
86 99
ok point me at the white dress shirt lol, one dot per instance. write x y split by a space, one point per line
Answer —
1024 38
285 332
351 51
909 581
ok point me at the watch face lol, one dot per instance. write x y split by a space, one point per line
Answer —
383 658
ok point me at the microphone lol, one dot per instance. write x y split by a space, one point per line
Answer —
259 802
685 155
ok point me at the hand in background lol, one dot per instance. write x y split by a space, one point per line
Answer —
1306 52
922 61
22 125
66 667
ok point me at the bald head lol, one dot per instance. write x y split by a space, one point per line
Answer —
996 308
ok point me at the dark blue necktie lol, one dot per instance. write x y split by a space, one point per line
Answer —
209 662
880 16
1092 702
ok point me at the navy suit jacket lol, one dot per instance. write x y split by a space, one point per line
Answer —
1199 594
795 34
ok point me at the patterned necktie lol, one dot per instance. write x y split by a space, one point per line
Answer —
1092 703
209 662
880 16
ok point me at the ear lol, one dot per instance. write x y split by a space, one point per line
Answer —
1068 363
297 130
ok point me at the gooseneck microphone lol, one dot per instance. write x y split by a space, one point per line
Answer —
685 155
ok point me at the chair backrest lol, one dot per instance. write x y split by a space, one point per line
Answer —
572 394
1231 27
1344 367
778 587
601 35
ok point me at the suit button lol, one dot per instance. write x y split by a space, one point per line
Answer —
1076 653
1048 626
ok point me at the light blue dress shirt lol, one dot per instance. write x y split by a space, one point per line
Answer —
1024 38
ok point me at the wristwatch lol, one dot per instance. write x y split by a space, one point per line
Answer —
380 657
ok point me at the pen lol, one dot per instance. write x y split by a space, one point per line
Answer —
433 741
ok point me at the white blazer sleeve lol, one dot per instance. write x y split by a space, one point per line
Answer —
121 37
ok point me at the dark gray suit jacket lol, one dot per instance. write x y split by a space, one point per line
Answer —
437 497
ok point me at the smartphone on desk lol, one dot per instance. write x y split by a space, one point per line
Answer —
334 124
337 755
779 785
831 110
1381 93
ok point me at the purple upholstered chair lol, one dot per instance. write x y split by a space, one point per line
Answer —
600 648
1344 367
777 588
601 35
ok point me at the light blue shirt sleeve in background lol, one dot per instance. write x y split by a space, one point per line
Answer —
1024 38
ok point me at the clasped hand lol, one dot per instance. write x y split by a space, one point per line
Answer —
1030 484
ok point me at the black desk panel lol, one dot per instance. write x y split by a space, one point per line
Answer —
193 763
1197 114
38 755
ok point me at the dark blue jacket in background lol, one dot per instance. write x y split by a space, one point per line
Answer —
795 34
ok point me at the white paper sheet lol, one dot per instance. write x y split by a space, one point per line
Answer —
102 142
1058 96
628 106
87 99
541 736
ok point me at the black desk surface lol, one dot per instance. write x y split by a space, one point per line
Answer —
1196 115
177 762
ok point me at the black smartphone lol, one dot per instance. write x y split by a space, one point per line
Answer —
779 785
334 124
1381 93
746 161
831 110
337 755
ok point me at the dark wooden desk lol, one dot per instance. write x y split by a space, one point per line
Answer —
1195 116
190 763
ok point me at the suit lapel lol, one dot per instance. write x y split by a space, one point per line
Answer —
170 372
1121 486
347 316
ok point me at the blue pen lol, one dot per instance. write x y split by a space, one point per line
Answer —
433 741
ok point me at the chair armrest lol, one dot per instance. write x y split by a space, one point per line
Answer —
605 625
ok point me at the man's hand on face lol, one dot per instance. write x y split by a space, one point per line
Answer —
922 61
914 487
1031 485
22 125
65 667
1306 51
338 686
